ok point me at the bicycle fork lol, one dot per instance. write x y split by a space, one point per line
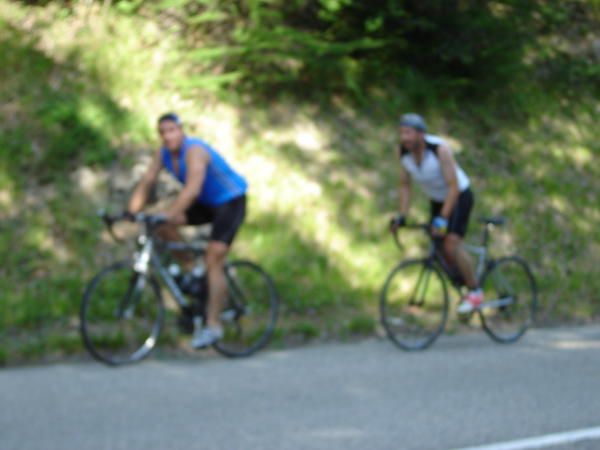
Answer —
416 299
137 282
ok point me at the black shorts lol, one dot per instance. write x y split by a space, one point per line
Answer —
458 222
226 219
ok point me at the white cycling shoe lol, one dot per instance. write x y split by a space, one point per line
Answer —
206 336
471 302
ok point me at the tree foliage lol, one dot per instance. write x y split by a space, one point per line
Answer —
467 46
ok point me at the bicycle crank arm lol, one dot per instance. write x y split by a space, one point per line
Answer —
229 315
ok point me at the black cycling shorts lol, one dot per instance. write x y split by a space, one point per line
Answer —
226 219
458 222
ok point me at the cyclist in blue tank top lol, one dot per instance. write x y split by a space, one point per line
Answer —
212 193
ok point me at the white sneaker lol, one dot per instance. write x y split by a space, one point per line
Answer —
204 337
471 302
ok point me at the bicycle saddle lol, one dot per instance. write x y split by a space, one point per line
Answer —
493 220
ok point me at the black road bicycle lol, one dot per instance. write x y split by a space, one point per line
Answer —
122 309
414 300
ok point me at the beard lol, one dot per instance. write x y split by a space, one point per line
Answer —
411 145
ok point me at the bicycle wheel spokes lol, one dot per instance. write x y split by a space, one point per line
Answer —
414 305
121 315
510 294
250 312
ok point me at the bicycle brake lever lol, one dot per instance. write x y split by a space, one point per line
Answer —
109 222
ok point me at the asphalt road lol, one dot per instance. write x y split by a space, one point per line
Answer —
464 392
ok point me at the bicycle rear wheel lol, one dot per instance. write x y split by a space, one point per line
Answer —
250 312
414 304
121 315
510 299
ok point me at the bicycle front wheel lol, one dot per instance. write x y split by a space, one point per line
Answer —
250 311
414 304
121 315
510 299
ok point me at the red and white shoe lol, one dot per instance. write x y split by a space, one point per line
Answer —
471 302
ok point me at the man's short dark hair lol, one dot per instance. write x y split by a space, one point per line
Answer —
170 117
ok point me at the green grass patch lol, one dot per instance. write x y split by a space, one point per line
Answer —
361 325
3 356
305 330
32 349
62 344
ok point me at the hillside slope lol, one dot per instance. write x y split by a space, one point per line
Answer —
79 94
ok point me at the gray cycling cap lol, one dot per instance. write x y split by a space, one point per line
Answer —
413 120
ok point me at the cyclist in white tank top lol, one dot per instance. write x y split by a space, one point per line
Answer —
429 161
428 173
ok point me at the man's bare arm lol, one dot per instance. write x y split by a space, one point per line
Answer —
405 190
449 172
140 193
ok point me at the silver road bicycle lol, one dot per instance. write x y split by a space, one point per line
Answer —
122 309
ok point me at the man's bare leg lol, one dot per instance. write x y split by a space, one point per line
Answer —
456 255
216 255
170 232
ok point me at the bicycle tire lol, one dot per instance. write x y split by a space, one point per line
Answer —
398 312
492 319
251 296
98 333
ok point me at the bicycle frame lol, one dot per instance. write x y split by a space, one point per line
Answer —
150 250
479 251
436 257
149 255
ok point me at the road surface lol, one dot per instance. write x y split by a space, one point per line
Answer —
464 392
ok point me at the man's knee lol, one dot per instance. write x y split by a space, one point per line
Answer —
216 254
168 232
451 244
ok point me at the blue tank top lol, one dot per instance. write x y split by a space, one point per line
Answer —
221 182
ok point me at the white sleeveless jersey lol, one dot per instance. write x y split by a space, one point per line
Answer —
429 173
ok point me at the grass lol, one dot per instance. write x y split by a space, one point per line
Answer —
361 325
3 356
305 330
322 178
63 344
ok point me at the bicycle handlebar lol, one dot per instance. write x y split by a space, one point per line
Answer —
416 226
150 220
